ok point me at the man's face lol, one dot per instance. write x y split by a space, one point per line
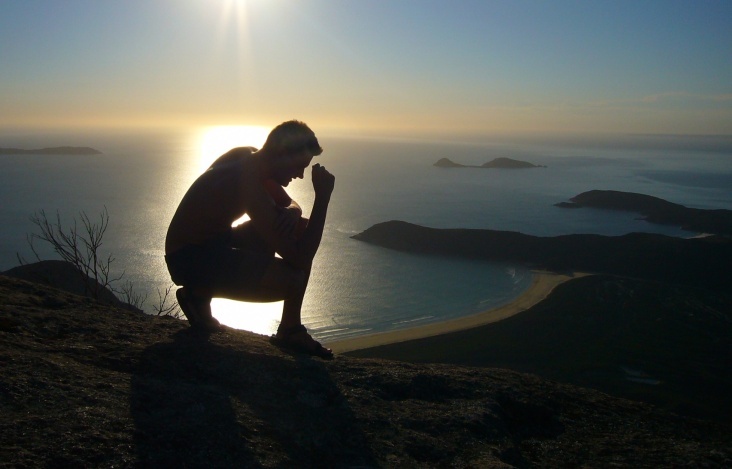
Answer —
291 166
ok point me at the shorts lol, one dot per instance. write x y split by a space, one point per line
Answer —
234 263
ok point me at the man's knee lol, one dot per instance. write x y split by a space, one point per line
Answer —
286 279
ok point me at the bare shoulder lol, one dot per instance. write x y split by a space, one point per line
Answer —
233 157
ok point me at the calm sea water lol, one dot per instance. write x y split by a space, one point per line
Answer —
357 288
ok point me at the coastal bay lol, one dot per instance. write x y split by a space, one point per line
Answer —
543 283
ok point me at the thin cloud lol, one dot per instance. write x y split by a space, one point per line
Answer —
661 98
654 98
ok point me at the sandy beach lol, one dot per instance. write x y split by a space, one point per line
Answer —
543 283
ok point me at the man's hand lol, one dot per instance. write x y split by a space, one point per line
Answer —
323 181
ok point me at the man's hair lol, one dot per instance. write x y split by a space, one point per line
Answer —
292 137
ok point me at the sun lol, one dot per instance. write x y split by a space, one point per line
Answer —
215 141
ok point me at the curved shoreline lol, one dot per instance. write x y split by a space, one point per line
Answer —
541 286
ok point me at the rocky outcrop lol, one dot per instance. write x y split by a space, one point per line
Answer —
656 210
89 385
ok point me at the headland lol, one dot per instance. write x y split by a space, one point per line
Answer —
656 210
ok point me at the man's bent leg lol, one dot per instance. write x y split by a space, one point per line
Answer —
196 306
281 281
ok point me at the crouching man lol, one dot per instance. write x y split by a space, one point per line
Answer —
209 258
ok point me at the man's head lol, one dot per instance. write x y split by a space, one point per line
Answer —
291 137
289 148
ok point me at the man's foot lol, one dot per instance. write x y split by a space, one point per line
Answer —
297 339
197 311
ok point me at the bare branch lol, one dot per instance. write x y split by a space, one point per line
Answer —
128 294
164 308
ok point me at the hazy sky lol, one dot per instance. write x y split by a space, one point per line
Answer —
418 66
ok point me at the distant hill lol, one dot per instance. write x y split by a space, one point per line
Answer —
499 163
65 276
51 151
700 262
656 210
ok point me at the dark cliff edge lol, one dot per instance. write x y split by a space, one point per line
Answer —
498 163
89 385
656 210
51 151
701 262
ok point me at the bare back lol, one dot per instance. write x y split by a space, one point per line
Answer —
214 201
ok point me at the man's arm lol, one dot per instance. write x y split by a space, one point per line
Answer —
264 215
307 245
290 213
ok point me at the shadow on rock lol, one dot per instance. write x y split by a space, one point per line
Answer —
220 403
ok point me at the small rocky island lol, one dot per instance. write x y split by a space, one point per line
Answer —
500 163
51 151
656 210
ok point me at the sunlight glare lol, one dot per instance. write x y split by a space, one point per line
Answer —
261 318
215 141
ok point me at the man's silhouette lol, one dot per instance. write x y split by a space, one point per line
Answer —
209 258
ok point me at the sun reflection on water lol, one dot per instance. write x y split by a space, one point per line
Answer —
217 140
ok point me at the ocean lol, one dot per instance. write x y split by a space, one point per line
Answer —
357 288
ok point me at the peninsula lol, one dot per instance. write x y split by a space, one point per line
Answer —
656 210
500 163
51 151
701 262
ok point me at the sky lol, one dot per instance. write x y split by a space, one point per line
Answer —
371 67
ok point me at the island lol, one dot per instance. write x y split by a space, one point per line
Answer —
51 151
656 210
499 163
448 163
